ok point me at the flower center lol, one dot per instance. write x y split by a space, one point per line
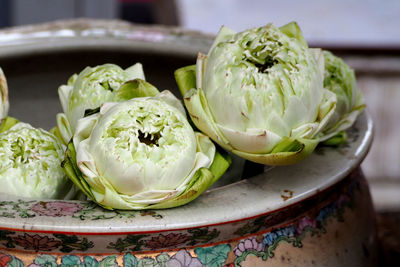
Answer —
149 139
263 67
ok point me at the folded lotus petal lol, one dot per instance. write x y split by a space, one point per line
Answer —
64 94
64 128
135 71
252 141
142 154
303 148
345 122
200 114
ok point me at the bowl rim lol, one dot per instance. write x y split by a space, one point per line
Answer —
250 197
88 34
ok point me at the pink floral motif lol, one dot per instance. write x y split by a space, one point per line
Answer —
56 208
164 241
304 223
183 259
247 244
37 242
34 265
4 259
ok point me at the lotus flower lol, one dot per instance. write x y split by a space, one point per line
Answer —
31 163
142 154
259 93
92 87
339 78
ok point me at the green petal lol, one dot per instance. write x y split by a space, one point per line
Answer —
338 139
73 172
186 78
7 123
57 134
200 113
286 153
224 34
136 88
293 30
63 129
221 163
197 105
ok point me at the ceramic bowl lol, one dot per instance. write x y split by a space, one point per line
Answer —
317 212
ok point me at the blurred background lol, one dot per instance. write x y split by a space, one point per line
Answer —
366 33
330 22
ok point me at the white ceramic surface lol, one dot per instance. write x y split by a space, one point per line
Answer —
219 215
252 196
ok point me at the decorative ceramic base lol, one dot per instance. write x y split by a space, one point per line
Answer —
317 212
333 228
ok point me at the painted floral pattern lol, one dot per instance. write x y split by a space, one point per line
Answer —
181 248
165 241
247 245
305 223
83 210
143 242
45 260
183 259
56 208
37 242
213 256
272 237
4 259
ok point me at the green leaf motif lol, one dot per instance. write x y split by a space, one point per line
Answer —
162 260
71 261
46 261
213 256
15 263
20 208
109 261
7 215
147 262
202 235
130 260
72 242
252 226
5 236
90 262
130 243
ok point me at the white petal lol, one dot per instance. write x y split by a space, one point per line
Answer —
64 127
251 141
